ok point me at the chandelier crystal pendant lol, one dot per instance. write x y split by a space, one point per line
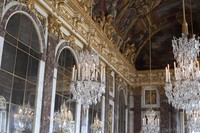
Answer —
194 122
88 82
184 92
97 125
23 119
63 119
151 123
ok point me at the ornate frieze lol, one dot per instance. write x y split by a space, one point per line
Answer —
77 21
157 77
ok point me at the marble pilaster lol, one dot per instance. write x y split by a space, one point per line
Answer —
48 84
116 108
107 124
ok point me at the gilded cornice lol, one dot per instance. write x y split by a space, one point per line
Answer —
78 20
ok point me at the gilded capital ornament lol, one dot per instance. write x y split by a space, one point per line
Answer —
54 25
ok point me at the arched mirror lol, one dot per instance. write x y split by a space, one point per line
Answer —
66 62
19 69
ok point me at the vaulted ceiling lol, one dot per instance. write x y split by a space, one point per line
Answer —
132 21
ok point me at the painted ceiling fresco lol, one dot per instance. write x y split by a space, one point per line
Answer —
132 20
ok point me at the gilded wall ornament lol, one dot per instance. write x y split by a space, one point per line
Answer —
54 25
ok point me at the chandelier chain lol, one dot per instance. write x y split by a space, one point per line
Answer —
191 18
150 52
184 19
150 120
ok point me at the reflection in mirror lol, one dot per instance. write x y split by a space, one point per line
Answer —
19 69
3 118
63 96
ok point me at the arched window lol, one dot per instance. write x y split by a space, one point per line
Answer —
20 64
65 64
122 112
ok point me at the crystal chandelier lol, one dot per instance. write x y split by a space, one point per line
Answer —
23 119
194 122
97 125
86 86
184 93
63 119
151 122
88 81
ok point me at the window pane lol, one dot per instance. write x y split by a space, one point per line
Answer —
30 94
13 25
21 64
8 57
33 69
58 102
25 29
13 111
10 39
5 85
59 85
35 54
18 91
23 47
35 41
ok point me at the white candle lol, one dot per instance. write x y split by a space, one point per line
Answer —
96 76
75 77
175 70
166 74
143 121
73 70
169 77
104 73
101 73
158 122
79 72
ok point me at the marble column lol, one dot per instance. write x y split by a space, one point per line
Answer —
137 109
1 8
107 123
116 107
48 83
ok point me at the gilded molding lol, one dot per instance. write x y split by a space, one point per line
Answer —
54 25
79 21
142 78
29 3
